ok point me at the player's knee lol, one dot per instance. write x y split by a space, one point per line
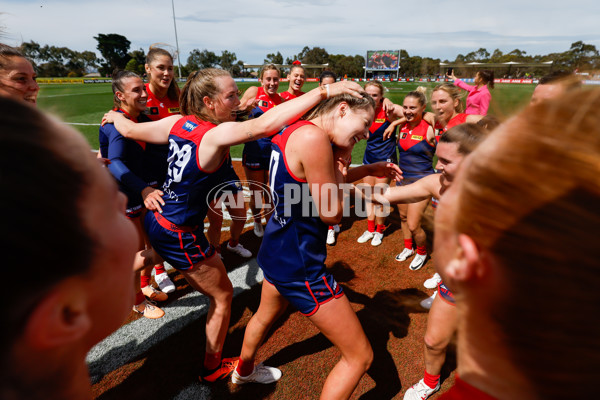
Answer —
434 344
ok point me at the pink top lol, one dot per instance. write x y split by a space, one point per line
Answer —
478 100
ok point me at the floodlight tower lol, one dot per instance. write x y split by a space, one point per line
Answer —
176 40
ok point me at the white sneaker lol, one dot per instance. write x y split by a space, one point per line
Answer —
420 391
405 254
261 374
377 237
165 284
259 229
432 282
365 237
240 250
418 262
331 237
428 301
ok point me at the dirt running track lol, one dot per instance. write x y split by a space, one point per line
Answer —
160 359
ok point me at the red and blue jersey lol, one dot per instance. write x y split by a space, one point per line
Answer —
456 120
159 108
377 148
262 146
126 160
288 96
416 153
294 245
188 186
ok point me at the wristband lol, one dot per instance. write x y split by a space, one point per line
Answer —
327 87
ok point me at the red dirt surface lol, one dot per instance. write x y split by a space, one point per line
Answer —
384 293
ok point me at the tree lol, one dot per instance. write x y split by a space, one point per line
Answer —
137 62
583 56
316 55
342 64
201 59
227 60
274 59
114 48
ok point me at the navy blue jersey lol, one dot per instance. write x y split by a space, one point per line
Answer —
416 154
294 245
126 160
187 186
262 146
155 164
378 149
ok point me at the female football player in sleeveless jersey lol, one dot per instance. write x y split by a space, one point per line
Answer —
416 143
17 76
379 148
63 196
199 148
448 109
256 154
292 256
296 79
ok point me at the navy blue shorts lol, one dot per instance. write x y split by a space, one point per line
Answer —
445 294
134 211
308 296
256 155
370 158
182 247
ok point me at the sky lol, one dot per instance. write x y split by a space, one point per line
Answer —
252 29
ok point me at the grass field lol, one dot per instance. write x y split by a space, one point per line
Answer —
86 104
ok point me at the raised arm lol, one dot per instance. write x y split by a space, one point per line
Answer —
232 133
151 132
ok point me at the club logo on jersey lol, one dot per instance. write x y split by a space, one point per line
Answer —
174 110
263 103
415 137
404 135
380 120
189 126
151 111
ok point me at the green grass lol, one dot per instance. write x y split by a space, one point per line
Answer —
79 103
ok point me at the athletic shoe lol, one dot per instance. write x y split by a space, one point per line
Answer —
261 374
149 310
153 294
259 229
432 282
165 284
365 237
418 262
228 365
331 237
420 391
377 237
428 301
240 250
405 254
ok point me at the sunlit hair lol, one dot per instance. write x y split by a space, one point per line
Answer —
529 198
467 136
453 91
6 52
487 77
269 67
489 122
153 54
420 94
199 84
296 66
67 248
118 80
365 102
378 85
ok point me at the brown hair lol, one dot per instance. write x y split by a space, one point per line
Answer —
297 66
467 136
453 91
117 84
153 54
66 247
487 77
6 52
199 84
267 68
378 85
364 102
530 198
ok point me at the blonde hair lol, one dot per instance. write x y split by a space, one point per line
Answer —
420 94
199 84
530 198
267 68
364 102
454 92
378 85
